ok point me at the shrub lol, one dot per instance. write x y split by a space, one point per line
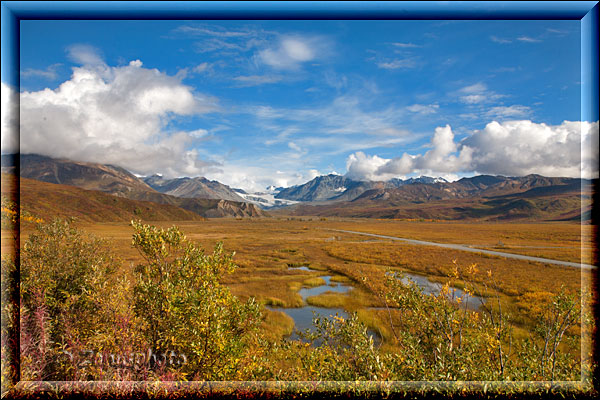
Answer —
184 307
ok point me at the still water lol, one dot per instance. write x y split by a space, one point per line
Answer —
471 302
303 316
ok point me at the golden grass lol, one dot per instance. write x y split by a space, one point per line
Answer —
328 300
314 282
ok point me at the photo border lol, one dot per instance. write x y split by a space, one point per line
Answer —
585 11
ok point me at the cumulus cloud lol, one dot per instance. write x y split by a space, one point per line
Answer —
511 148
290 52
117 115
10 119
523 147
360 166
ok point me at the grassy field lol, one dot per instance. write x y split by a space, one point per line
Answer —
268 250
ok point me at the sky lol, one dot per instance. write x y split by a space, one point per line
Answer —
259 103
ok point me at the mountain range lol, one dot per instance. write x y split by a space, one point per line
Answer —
483 197
340 188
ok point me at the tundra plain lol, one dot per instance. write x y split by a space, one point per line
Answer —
268 252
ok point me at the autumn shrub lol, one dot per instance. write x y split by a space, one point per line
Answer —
185 309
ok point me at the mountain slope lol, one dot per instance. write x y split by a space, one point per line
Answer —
49 200
91 176
198 187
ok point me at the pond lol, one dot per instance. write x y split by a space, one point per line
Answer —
303 316
471 302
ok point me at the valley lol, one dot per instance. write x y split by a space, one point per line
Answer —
493 245
278 258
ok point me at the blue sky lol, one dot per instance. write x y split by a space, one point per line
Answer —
255 103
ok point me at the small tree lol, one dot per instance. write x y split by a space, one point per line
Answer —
186 311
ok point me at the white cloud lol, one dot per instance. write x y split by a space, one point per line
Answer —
500 40
200 67
48 73
252 178
294 146
210 31
423 109
473 98
528 39
255 80
475 88
524 147
511 148
360 166
312 174
10 122
477 93
406 45
404 63
290 52
116 115
344 116
508 111
198 133
84 54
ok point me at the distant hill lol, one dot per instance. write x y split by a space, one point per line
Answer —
117 181
49 200
198 187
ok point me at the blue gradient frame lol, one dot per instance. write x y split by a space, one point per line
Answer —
12 12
